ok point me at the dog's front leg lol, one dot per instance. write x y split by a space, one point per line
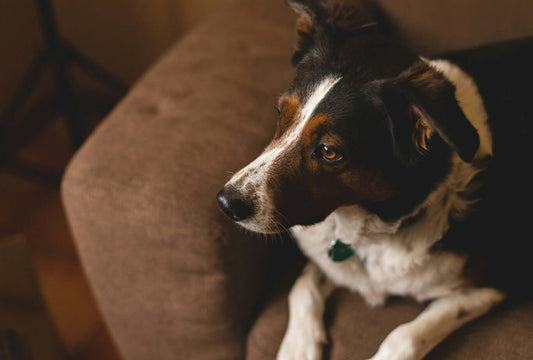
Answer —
305 333
413 340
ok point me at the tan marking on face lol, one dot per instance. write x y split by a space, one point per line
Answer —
320 125
310 131
290 107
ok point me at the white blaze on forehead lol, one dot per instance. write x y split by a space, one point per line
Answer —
318 94
315 98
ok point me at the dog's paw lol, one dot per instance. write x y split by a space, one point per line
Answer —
394 354
303 341
397 346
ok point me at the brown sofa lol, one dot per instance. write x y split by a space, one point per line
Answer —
173 277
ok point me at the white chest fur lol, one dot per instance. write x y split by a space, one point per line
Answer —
385 264
395 260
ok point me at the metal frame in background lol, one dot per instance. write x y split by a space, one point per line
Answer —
57 54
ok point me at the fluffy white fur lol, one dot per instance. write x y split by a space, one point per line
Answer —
394 260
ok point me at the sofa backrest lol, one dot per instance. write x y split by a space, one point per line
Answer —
434 26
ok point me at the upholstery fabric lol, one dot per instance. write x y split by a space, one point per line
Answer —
435 26
173 277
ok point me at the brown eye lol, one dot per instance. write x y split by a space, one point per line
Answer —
329 154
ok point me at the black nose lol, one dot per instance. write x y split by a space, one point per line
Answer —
233 204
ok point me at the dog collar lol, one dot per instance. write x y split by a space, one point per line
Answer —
339 251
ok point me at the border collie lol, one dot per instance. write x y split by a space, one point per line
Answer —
378 161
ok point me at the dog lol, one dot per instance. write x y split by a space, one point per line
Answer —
379 166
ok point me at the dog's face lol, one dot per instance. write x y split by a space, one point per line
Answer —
365 122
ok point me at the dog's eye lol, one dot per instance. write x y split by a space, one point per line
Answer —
329 154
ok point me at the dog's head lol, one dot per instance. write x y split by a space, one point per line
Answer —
365 121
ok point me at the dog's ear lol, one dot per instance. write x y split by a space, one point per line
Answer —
308 13
339 17
421 104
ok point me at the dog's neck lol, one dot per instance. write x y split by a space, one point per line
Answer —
430 220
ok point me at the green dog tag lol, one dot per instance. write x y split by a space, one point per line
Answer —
339 251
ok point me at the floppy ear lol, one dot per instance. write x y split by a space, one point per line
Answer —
340 17
421 104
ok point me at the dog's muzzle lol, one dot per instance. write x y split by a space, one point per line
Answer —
234 205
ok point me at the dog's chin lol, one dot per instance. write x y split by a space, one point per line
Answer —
262 227
265 223
271 226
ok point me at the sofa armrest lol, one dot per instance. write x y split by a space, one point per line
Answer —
174 278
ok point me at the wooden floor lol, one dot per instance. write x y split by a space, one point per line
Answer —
33 208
